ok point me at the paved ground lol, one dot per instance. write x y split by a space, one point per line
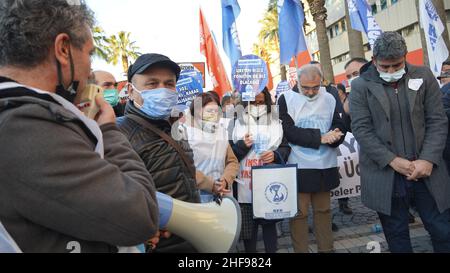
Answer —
354 232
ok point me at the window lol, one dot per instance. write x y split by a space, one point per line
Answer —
316 56
411 29
393 2
341 58
337 29
374 9
383 4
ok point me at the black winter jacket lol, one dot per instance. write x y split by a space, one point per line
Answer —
165 165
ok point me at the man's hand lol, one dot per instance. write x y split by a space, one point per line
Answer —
268 157
403 166
106 113
155 240
422 169
248 140
331 137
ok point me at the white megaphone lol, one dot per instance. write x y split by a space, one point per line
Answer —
209 227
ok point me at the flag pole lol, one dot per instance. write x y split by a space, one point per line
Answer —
296 74
248 117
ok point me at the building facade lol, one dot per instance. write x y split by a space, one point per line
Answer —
391 15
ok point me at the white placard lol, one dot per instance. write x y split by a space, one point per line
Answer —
274 191
348 164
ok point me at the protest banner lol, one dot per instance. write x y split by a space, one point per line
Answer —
348 164
188 87
282 87
186 69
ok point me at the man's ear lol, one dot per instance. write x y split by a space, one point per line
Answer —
62 49
130 91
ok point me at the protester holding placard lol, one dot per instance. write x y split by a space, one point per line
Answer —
213 155
314 130
257 140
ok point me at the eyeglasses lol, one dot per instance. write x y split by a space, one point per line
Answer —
312 88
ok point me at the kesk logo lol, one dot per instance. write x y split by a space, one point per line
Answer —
276 193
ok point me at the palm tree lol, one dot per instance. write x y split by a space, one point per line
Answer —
422 37
121 48
268 35
355 40
319 13
261 50
100 43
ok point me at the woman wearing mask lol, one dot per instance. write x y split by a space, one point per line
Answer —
213 155
257 140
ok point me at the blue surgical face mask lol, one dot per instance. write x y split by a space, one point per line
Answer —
158 103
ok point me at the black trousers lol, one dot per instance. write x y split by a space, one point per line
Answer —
269 237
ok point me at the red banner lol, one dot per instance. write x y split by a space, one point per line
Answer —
215 66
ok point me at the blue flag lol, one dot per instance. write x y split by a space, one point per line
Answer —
231 44
361 19
292 38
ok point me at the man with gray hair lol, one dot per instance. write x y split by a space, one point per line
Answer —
400 125
314 130
68 183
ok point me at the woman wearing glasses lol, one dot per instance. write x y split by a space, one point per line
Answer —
213 156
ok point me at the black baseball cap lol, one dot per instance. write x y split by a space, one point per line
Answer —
147 60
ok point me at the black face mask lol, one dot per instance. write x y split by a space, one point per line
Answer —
71 92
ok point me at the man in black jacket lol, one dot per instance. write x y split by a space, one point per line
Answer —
152 80
314 129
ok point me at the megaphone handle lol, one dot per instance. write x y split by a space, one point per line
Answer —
150 247
218 198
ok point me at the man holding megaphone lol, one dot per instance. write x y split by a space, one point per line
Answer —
68 183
